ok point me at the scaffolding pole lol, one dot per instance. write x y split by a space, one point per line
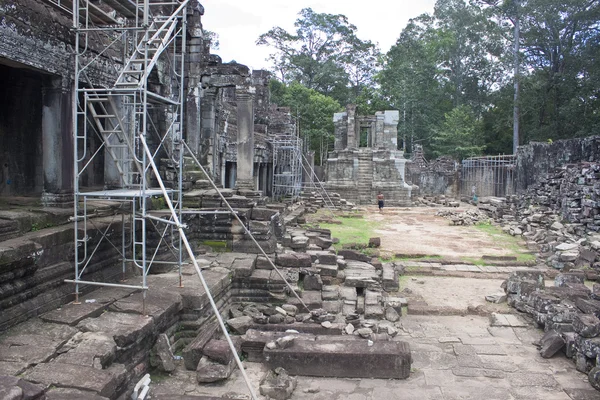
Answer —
287 167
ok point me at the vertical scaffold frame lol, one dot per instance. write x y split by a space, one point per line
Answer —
136 127
287 167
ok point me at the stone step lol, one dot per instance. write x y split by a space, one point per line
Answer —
343 359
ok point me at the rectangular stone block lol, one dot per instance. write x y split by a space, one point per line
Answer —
344 359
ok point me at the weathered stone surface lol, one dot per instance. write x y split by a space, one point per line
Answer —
594 377
391 314
278 385
242 267
73 376
72 314
72 394
240 325
346 359
219 350
124 328
211 371
375 242
551 343
389 278
192 353
586 325
294 260
162 354
313 282
18 389
353 255
92 349
327 269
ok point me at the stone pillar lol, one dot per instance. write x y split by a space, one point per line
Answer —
245 140
57 143
390 129
340 123
205 147
352 141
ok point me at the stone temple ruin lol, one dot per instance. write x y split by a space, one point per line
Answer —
366 159
124 144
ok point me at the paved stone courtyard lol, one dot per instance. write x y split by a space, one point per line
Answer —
454 357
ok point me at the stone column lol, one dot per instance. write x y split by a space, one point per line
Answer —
353 141
205 146
57 143
245 140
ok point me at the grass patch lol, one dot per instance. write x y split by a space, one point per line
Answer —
511 243
352 230
218 246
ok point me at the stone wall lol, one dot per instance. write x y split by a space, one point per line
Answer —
34 266
535 160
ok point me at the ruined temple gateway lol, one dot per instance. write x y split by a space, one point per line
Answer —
366 159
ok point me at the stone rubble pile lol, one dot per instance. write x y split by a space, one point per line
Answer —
314 200
437 201
559 216
468 217
568 312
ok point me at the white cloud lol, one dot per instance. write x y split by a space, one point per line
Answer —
239 23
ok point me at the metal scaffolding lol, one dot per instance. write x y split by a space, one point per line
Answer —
287 167
131 128
488 176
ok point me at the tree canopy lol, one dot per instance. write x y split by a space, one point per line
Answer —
451 72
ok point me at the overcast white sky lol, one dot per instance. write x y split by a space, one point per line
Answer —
239 22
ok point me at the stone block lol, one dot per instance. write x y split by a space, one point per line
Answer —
56 374
327 269
389 278
294 260
312 299
344 359
192 353
550 344
313 282
323 243
588 306
374 311
240 325
210 371
354 255
327 258
219 350
278 385
587 325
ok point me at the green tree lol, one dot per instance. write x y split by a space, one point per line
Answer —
324 54
460 135
314 112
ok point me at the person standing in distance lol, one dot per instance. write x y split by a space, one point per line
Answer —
380 202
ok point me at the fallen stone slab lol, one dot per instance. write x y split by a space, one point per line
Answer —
240 324
91 349
219 350
278 385
15 388
295 260
192 353
57 374
210 371
587 325
72 314
550 344
124 328
72 394
344 359
253 342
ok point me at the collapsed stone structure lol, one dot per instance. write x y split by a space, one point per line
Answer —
366 159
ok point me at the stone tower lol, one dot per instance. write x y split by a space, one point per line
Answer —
366 159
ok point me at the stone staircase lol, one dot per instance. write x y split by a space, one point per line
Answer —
365 177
